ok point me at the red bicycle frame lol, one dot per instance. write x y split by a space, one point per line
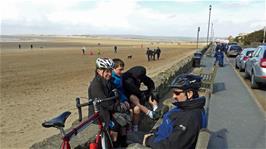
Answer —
77 129
59 121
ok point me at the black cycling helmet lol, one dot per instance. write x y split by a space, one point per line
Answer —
187 82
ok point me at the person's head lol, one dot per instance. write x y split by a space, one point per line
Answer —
138 72
186 87
104 67
118 66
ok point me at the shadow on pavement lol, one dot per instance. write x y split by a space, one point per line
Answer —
218 140
218 86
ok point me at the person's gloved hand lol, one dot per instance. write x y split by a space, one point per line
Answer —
127 105
123 107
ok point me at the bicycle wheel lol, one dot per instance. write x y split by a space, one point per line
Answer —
106 141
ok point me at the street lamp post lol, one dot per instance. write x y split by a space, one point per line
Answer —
198 37
210 8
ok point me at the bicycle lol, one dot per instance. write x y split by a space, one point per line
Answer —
103 139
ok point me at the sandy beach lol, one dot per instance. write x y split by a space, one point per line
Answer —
39 83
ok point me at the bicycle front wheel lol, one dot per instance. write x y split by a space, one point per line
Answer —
106 141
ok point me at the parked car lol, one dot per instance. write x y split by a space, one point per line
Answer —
229 44
233 50
242 58
256 67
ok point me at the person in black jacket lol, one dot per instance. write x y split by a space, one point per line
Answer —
101 87
181 125
132 80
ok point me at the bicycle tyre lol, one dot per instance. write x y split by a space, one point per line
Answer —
106 141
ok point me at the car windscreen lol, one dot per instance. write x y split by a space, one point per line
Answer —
197 54
249 53
235 48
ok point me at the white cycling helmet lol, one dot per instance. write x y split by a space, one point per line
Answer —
104 63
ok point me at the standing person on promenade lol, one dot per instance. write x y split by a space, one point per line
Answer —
219 57
181 125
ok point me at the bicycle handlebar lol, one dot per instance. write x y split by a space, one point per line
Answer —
93 102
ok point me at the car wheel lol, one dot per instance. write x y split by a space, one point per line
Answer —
240 68
254 84
236 65
246 76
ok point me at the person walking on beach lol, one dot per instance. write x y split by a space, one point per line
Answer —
19 46
31 46
83 49
115 49
158 52
153 54
149 54
98 51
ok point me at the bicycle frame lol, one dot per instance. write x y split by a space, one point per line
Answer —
102 134
65 144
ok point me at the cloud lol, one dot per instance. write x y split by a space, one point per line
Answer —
128 17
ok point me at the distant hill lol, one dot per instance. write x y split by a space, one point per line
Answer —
255 37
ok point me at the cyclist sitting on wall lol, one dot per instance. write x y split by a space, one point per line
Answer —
101 87
181 125
132 80
117 81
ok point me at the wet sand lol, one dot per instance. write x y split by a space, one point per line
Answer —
39 83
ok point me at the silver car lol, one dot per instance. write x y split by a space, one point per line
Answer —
241 59
256 67
233 50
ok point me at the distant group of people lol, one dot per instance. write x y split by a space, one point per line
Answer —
151 54
19 46
180 126
83 50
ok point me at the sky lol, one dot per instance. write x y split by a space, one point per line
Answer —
131 17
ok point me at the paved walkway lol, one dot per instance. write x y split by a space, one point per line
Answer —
234 117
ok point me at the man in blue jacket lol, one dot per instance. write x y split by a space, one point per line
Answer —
181 125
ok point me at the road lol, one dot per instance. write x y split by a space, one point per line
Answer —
234 117
259 93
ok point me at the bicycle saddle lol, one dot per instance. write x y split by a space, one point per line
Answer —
58 121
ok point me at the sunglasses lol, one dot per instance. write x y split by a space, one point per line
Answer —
178 92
